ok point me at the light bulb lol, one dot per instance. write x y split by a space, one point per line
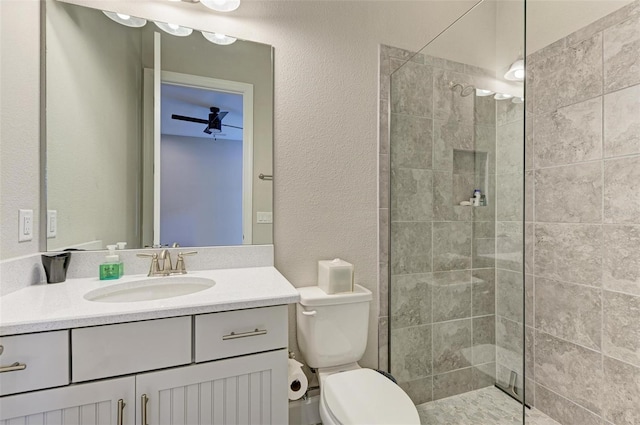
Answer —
519 74
217 38
126 20
483 92
221 5
502 96
174 29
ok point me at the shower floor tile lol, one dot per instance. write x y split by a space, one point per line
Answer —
487 406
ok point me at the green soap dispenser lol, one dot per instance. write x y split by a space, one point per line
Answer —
112 268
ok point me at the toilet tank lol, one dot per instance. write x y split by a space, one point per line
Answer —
332 329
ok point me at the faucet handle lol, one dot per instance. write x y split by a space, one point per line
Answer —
180 263
153 269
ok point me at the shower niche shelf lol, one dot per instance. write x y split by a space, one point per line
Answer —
470 172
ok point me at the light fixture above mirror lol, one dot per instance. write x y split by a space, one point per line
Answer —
126 20
174 29
516 71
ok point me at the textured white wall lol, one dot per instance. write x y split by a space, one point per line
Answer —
19 122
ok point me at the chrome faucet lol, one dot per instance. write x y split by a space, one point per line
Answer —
166 267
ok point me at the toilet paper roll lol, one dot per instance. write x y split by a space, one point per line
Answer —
297 380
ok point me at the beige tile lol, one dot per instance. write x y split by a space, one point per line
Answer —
569 311
570 370
449 105
569 252
483 292
569 194
451 295
563 410
411 300
509 202
483 340
570 134
622 190
621 264
411 142
622 54
419 390
452 383
451 246
508 112
451 345
510 148
485 111
383 343
411 353
484 375
622 122
411 195
509 295
383 135
383 288
509 346
571 76
621 327
411 92
621 393
410 247
383 181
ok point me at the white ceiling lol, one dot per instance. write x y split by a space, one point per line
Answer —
195 102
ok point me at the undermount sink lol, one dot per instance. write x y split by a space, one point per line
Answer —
154 288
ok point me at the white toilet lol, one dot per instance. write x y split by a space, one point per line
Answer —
332 336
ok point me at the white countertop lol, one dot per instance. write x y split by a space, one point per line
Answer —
63 306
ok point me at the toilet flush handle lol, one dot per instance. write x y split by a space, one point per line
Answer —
309 313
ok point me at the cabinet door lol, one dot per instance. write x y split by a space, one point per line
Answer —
84 404
250 389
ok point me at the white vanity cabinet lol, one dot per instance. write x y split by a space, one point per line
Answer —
242 390
245 386
109 402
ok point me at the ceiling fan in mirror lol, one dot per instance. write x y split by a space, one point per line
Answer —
214 122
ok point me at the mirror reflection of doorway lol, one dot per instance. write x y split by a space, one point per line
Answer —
201 166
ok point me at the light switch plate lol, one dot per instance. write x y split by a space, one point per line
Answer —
52 223
25 225
265 217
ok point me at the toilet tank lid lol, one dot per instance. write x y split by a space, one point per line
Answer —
311 296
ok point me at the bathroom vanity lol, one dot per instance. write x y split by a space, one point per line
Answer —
217 356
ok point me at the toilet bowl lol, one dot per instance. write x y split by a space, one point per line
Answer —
332 336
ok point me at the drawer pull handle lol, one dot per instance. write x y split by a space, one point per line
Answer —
121 405
13 367
144 400
309 313
234 335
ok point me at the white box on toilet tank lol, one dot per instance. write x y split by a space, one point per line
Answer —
335 276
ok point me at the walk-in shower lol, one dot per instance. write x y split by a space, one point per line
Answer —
513 264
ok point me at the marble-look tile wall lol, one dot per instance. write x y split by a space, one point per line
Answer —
509 242
440 147
583 224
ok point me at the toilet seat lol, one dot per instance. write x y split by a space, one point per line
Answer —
364 396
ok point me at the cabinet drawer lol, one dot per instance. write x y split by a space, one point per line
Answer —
46 356
113 350
233 333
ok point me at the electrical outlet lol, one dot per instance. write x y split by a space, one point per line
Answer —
265 217
52 223
25 225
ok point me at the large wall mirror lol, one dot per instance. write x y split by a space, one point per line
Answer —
154 139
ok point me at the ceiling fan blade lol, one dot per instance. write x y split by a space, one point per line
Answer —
221 115
190 119
232 126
